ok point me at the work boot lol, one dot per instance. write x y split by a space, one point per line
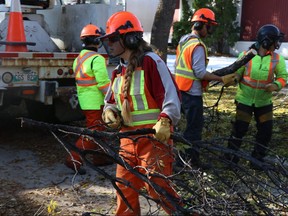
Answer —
81 171
77 169
76 163
259 158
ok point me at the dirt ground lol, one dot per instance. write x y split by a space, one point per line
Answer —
34 180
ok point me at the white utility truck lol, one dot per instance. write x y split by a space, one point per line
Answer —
42 79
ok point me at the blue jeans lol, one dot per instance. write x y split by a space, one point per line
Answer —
192 106
193 110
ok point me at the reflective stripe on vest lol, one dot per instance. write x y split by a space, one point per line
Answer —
141 113
137 90
184 76
82 78
145 117
256 83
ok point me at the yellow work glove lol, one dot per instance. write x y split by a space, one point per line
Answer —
111 118
230 79
271 87
162 129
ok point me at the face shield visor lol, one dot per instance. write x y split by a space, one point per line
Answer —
210 28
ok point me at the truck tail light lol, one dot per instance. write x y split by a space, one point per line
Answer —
71 72
60 72
28 92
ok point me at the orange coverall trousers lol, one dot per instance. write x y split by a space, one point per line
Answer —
152 155
94 122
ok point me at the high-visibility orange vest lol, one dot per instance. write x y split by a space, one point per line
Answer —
184 75
144 109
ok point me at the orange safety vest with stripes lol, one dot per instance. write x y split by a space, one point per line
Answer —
184 75
144 109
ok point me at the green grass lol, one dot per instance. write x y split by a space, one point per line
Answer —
223 183
218 119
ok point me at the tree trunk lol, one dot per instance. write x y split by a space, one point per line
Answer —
162 25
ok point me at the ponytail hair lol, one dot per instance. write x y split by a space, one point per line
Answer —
134 61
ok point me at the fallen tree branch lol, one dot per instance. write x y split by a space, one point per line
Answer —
237 64
225 188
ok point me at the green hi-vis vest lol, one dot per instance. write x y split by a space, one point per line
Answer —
84 75
89 91
184 75
144 109
256 74
263 78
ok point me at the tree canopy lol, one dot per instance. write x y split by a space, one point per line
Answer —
227 31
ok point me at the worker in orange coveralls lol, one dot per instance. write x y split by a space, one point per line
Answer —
92 82
142 94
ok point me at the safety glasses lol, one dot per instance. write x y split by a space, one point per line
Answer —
210 28
114 38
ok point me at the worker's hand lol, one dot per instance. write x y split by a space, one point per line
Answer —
205 85
271 87
111 118
230 79
162 129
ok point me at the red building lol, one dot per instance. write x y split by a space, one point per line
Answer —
255 13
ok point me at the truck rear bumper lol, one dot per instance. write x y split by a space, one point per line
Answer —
45 93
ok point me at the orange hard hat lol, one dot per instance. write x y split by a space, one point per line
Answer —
90 30
204 15
122 22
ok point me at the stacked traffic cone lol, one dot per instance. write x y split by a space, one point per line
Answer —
16 40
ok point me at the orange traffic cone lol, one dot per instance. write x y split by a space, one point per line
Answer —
16 40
